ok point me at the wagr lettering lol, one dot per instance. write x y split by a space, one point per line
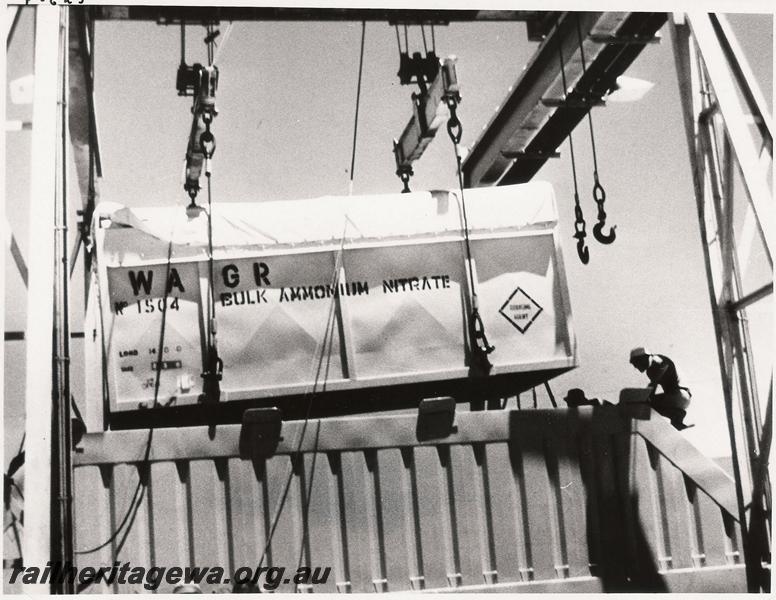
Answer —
416 284
145 280
240 298
319 292
231 275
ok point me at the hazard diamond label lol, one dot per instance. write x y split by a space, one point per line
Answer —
520 310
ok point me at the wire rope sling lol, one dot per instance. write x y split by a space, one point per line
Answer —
435 103
202 83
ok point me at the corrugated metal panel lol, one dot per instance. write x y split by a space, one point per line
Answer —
563 500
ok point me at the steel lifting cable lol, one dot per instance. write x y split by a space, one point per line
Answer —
599 194
137 497
207 142
579 222
163 326
103 348
328 337
212 34
214 366
183 42
480 346
220 48
328 334
398 39
358 103
321 347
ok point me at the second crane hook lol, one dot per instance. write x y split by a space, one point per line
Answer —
599 195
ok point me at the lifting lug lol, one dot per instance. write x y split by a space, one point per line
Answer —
211 388
481 347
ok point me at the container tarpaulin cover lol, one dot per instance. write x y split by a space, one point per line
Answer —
359 292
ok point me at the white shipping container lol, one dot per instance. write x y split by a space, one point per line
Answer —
329 294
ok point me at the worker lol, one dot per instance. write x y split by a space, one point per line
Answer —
576 397
660 369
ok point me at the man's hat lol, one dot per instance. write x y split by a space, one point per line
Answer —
575 395
637 352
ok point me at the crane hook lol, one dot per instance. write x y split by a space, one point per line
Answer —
579 232
599 195
604 238
582 250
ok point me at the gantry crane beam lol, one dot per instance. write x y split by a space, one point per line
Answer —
534 119
171 15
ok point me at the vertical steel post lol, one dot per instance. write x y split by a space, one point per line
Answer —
730 281
761 482
725 93
708 96
63 526
40 296
729 76
761 493
689 91
744 75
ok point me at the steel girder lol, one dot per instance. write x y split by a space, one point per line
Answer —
709 74
534 120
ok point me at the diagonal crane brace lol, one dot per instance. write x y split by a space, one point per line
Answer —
430 111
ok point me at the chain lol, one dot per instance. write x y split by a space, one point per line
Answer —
599 194
207 141
404 174
211 376
579 223
454 127
481 347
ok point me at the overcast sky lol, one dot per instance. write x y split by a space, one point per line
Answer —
286 101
